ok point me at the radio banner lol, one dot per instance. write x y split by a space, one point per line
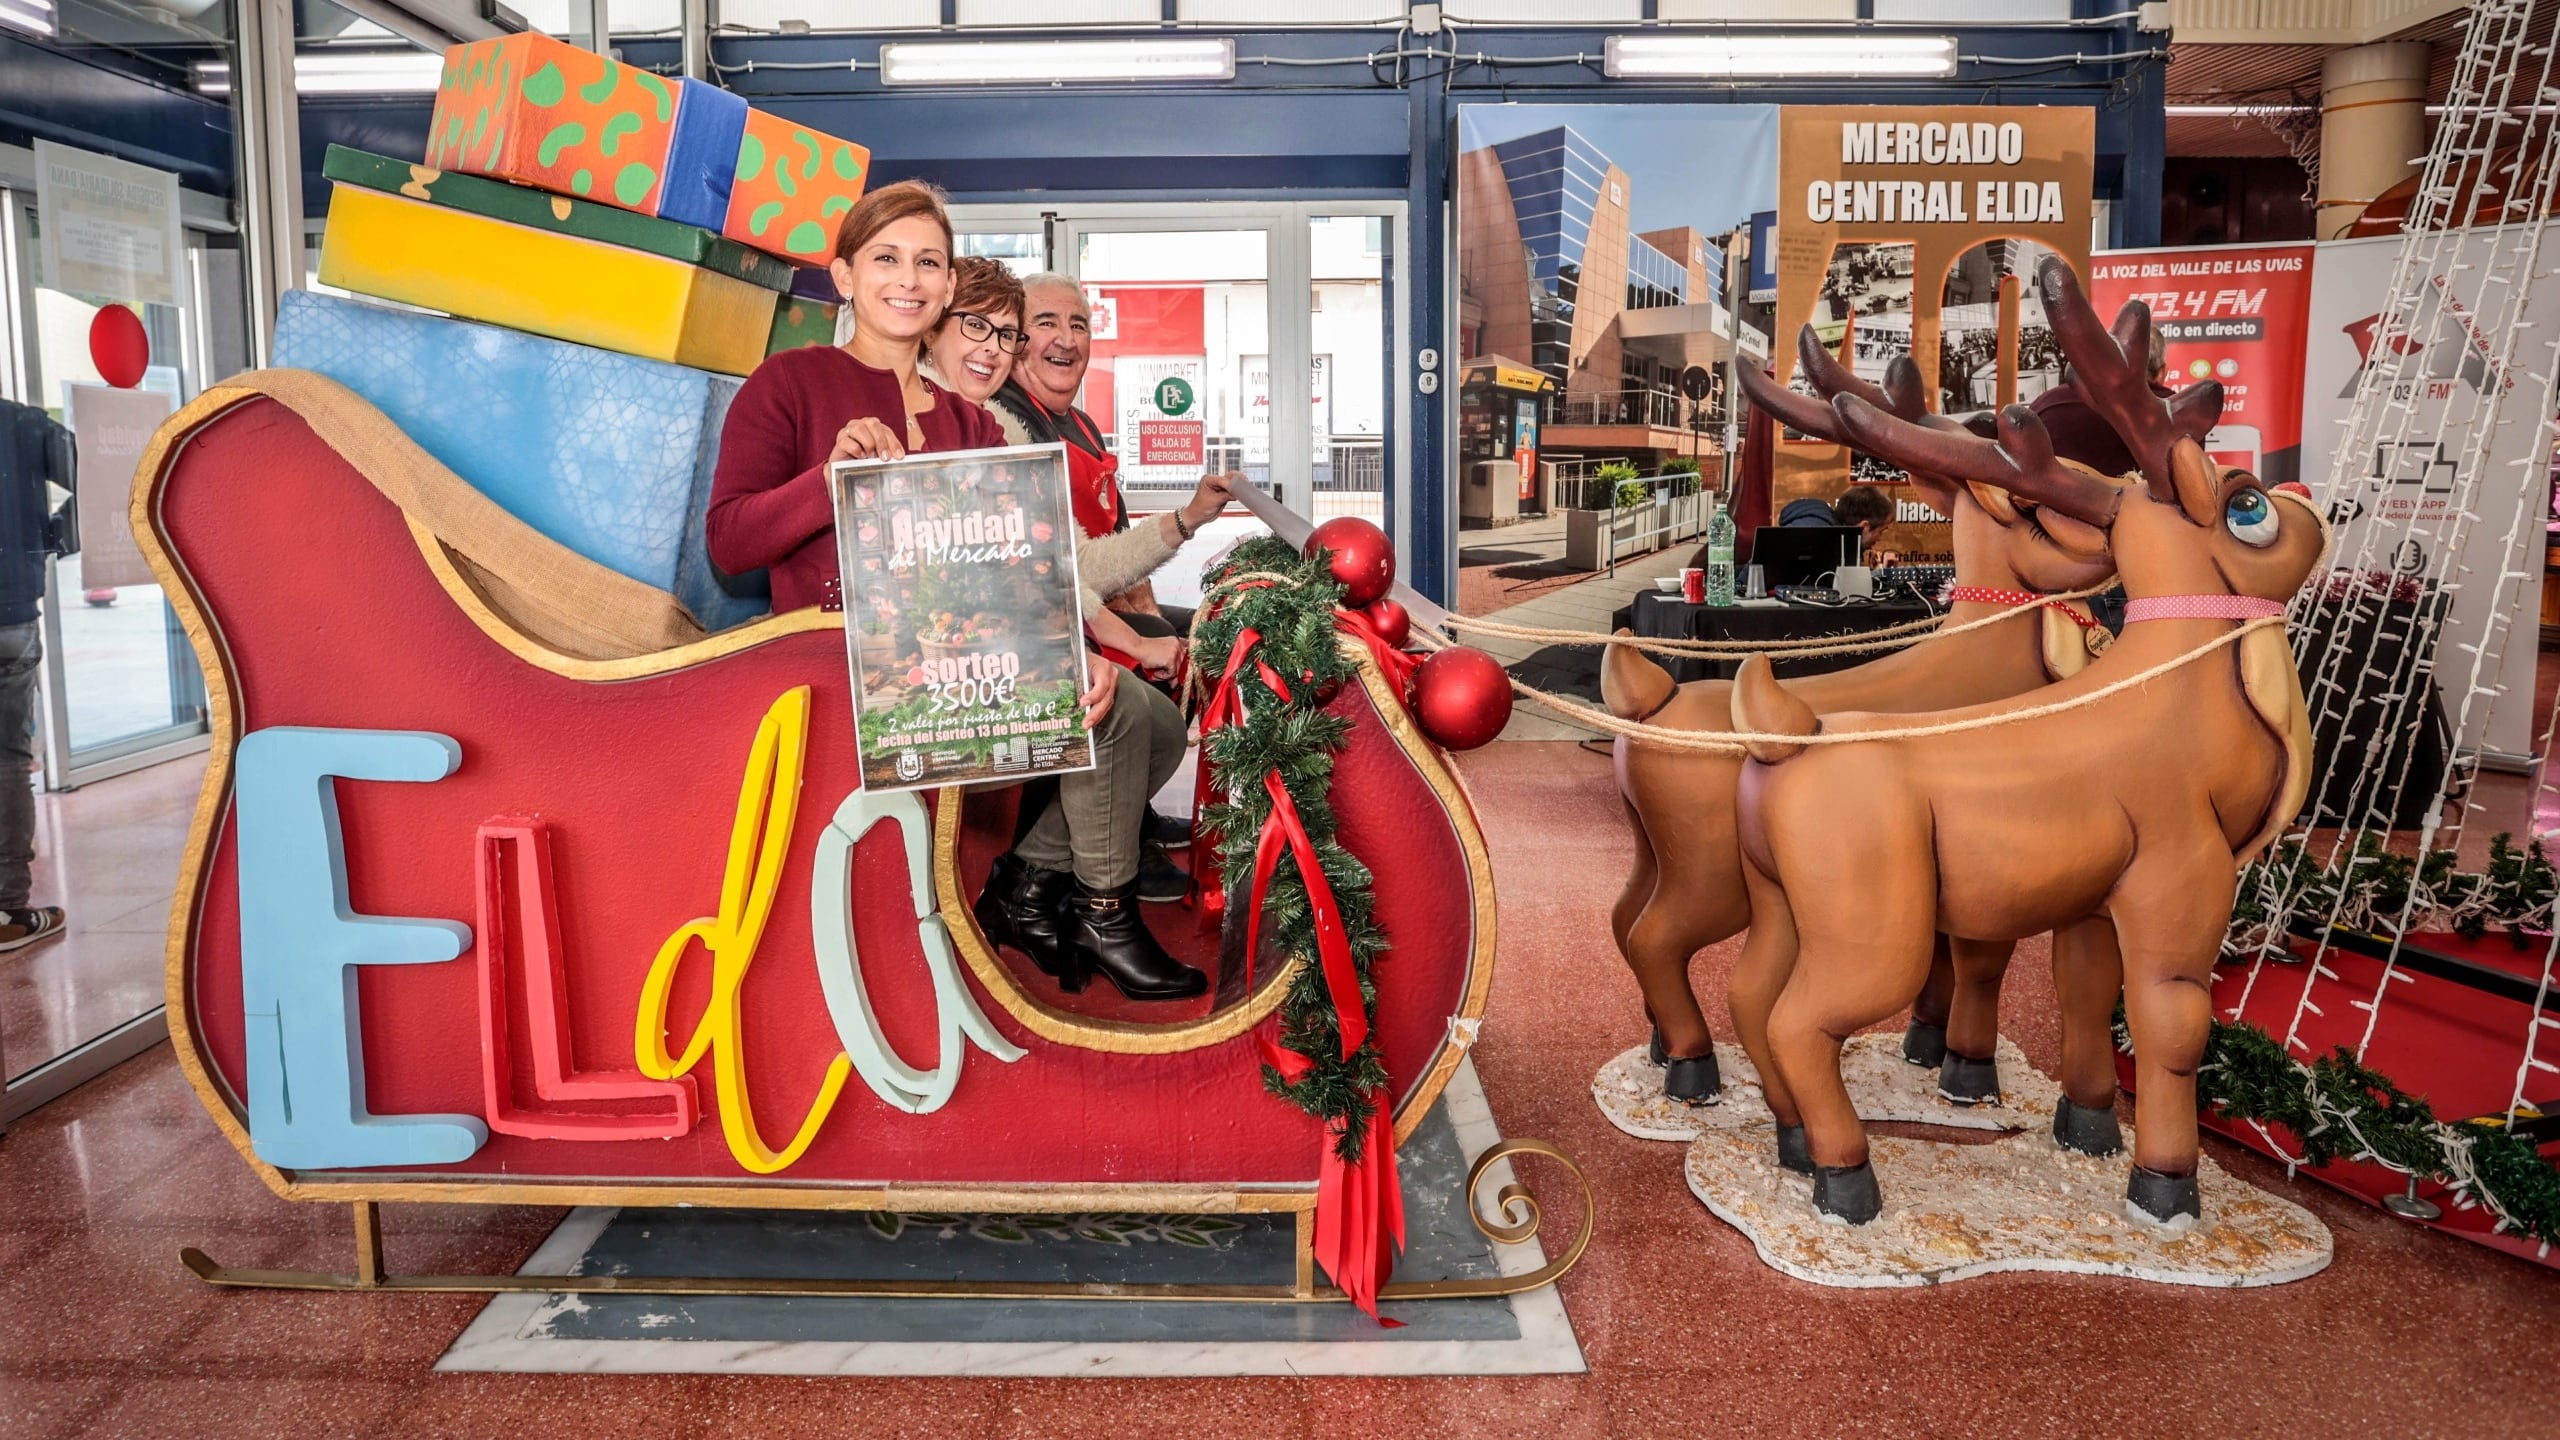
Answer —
2239 314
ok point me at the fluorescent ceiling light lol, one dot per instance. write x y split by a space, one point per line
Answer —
32 16
995 62
1745 57
370 72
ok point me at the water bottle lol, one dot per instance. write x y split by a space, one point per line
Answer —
1720 536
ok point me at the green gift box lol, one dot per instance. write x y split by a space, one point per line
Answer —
799 321
520 205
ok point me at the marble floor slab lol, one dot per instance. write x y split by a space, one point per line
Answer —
1520 1334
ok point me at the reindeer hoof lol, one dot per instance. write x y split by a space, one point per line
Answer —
1693 1080
1847 1194
1963 1080
1794 1153
2170 1200
2089 1129
1924 1044
1654 1053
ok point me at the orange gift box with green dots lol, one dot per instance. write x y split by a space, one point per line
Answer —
793 185
543 113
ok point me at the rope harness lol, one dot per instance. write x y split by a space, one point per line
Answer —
1734 741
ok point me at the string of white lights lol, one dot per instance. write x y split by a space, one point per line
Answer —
2383 416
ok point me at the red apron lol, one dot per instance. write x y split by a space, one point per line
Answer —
1093 482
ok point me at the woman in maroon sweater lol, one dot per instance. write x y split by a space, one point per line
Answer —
1066 895
806 408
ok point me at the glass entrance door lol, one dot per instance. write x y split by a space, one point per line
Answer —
120 680
1220 300
1182 345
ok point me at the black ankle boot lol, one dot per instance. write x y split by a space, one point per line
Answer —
1022 907
1104 933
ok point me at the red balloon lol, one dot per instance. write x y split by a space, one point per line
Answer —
1393 624
119 346
1364 559
1461 697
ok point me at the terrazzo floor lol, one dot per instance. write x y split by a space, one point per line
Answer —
1684 1330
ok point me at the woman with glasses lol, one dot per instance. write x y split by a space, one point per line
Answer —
973 349
864 400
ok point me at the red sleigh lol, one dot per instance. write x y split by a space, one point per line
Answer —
590 819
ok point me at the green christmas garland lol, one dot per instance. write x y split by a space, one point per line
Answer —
1294 617
2373 888
2339 1108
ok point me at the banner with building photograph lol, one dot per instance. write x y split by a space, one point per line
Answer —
1915 230
2233 313
1593 242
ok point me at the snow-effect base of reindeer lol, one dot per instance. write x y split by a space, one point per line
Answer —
1955 1210
1628 1091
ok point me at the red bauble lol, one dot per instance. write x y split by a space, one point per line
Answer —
1393 624
119 346
1461 697
1364 559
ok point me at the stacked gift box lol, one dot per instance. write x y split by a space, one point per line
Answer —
570 195
613 248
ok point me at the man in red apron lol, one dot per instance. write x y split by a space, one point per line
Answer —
1037 406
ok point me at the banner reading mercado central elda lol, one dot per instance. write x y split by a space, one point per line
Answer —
1915 230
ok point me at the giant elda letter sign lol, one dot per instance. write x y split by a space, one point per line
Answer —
474 910
1940 181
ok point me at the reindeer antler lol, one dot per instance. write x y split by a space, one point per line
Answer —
2021 461
2111 365
2196 409
1902 394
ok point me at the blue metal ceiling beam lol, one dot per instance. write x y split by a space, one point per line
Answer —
52 94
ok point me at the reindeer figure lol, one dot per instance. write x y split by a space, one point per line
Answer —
1686 890
2133 813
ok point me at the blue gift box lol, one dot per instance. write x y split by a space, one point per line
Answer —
609 454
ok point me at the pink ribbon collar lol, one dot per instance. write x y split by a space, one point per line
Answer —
2200 607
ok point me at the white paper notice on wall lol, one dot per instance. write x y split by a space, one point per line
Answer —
108 228
112 427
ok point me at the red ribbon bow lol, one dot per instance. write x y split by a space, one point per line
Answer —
1333 942
1358 1207
1225 706
1394 663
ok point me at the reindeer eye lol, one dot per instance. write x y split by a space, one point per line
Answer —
2250 518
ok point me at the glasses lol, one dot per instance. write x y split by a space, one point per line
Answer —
975 328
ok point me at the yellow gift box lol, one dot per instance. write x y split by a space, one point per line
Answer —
548 283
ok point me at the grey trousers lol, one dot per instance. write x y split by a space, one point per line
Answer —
1092 827
21 652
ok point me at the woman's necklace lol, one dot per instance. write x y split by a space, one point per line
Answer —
918 400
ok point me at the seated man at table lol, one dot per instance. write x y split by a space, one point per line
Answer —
1865 506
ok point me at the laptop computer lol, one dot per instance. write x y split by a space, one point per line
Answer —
1803 554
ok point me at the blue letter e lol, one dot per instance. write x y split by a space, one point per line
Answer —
300 944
